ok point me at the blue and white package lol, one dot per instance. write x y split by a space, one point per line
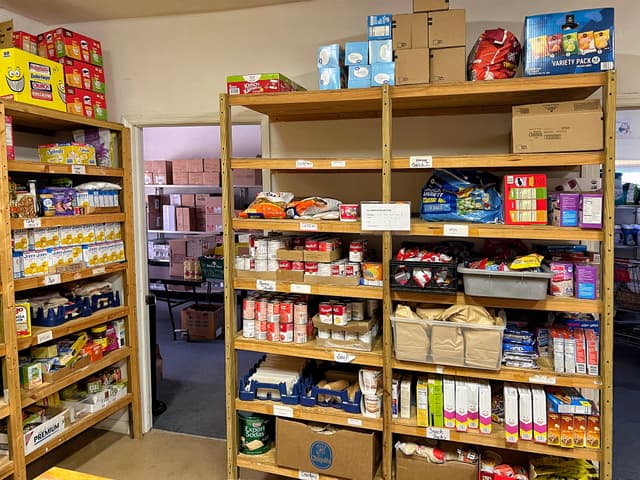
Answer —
379 27
380 51
330 55
454 195
356 53
570 42
383 73
359 76
330 78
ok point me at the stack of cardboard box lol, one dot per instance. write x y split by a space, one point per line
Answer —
197 171
155 205
158 172
193 247
429 44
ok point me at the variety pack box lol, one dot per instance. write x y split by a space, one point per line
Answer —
430 5
260 83
25 41
83 75
32 79
570 42
87 103
61 42
525 199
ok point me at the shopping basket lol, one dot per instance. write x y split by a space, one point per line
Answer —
627 284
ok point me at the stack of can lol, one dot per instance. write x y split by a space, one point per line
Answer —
340 312
262 255
276 318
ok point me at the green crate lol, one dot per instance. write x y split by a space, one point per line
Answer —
212 267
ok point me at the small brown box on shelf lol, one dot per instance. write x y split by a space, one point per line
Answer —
412 467
180 178
292 255
247 177
447 65
180 165
430 5
148 178
185 219
155 202
410 30
211 178
175 199
201 199
447 29
412 66
211 164
188 200
154 220
203 321
293 276
213 223
195 165
213 205
162 172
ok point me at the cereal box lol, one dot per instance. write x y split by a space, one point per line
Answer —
436 418
525 409
579 431
539 400
525 199
405 396
554 429
566 430
593 432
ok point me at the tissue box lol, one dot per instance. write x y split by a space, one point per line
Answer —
379 27
330 56
330 78
359 76
356 53
380 51
382 73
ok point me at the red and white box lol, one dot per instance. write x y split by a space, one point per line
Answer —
592 351
25 41
8 125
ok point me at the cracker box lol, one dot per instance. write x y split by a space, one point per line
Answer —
592 346
32 79
61 42
569 42
25 41
579 431
553 429
566 430
436 418
260 83
593 432
525 199
422 402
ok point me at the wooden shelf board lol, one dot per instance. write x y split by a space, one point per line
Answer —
70 220
3 349
44 334
267 463
28 166
80 426
329 290
5 410
549 304
185 187
313 414
29 397
311 164
183 232
428 99
496 440
508 160
40 118
287 225
6 467
22 284
310 350
487 230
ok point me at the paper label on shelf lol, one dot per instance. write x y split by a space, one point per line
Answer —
543 379
343 357
308 227
304 164
300 288
456 230
78 169
439 369
438 433
266 285
52 279
99 270
44 337
282 411
308 475
338 163
32 223
421 161
355 422
385 216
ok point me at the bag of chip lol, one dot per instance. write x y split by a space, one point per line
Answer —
495 55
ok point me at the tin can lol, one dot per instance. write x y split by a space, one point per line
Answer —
261 309
325 312
349 212
300 313
350 336
372 307
261 248
352 269
273 246
300 334
273 331
286 311
248 328
240 263
249 308
254 429
251 263
327 245
286 332
261 265
337 334
337 268
311 268
298 243
273 309
324 334
260 328
297 266
324 269
365 337
272 265
311 245
284 264
340 314
357 310
356 251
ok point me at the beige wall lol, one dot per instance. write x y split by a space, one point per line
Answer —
22 23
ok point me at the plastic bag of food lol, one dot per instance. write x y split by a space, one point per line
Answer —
268 205
314 207
495 55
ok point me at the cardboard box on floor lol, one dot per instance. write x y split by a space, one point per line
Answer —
447 65
410 30
346 453
203 321
557 127
430 5
418 468
447 29
412 66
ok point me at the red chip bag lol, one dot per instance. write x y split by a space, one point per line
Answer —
495 55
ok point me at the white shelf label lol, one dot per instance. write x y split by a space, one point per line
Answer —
439 369
78 169
99 270
308 227
282 411
338 163
32 223
543 379
421 161
378 216
438 433
266 285
300 288
343 357
44 337
355 422
52 279
308 475
304 164
456 230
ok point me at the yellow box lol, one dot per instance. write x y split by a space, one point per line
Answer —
67 153
23 319
31 79
422 402
36 263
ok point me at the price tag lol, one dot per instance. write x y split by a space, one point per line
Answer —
422 161
304 164
32 223
99 270
439 369
543 379
308 475
266 285
438 433
343 357
338 163
282 411
456 230
355 422
308 227
52 279
300 288
78 169
44 337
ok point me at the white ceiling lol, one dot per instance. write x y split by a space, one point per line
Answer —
74 11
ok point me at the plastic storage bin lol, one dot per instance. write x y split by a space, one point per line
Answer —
521 285
448 343
437 277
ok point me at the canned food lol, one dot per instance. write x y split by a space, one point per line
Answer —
300 313
272 265
273 246
248 328
356 251
350 336
300 334
327 245
352 270
324 334
325 312
298 243
240 263
249 308
273 309
349 212
324 269
297 266
286 311
311 268
365 337
261 310
372 307
261 248
337 334
337 268
357 310
261 265
273 331
252 264
284 264
286 332
311 245
260 328
255 438
340 314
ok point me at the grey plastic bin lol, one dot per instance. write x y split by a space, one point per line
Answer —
521 285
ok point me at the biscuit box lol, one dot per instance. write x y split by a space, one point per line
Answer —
570 42
31 79
260 83
61 42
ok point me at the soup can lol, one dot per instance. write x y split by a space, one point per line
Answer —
357 310
340 314
261 309
311 268
337 334
249 308
286 311
325 312
286 332
324 269
261 245
324 334
260 329
297 266
352 269
356 251
300 313
349 212
311 245
262 265
284 264
299 333
248 328
273 331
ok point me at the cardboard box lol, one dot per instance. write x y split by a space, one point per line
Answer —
447 65
32 79
58 421
187 200
61 42
97 79
419 468
87 103
204 178
410 31
180 165
185 219
180 178
213 205
330 78
330 56
301 447
154 220
211 164
195 165
593 432
525 199
430 5
447 29
25 41
260 83
247 177
557 127
569 42
553 429
213 223
199 245
412 66
564 208
169 220
76 73
156 202
203 321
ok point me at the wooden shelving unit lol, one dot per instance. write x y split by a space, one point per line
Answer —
57 125
387 104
